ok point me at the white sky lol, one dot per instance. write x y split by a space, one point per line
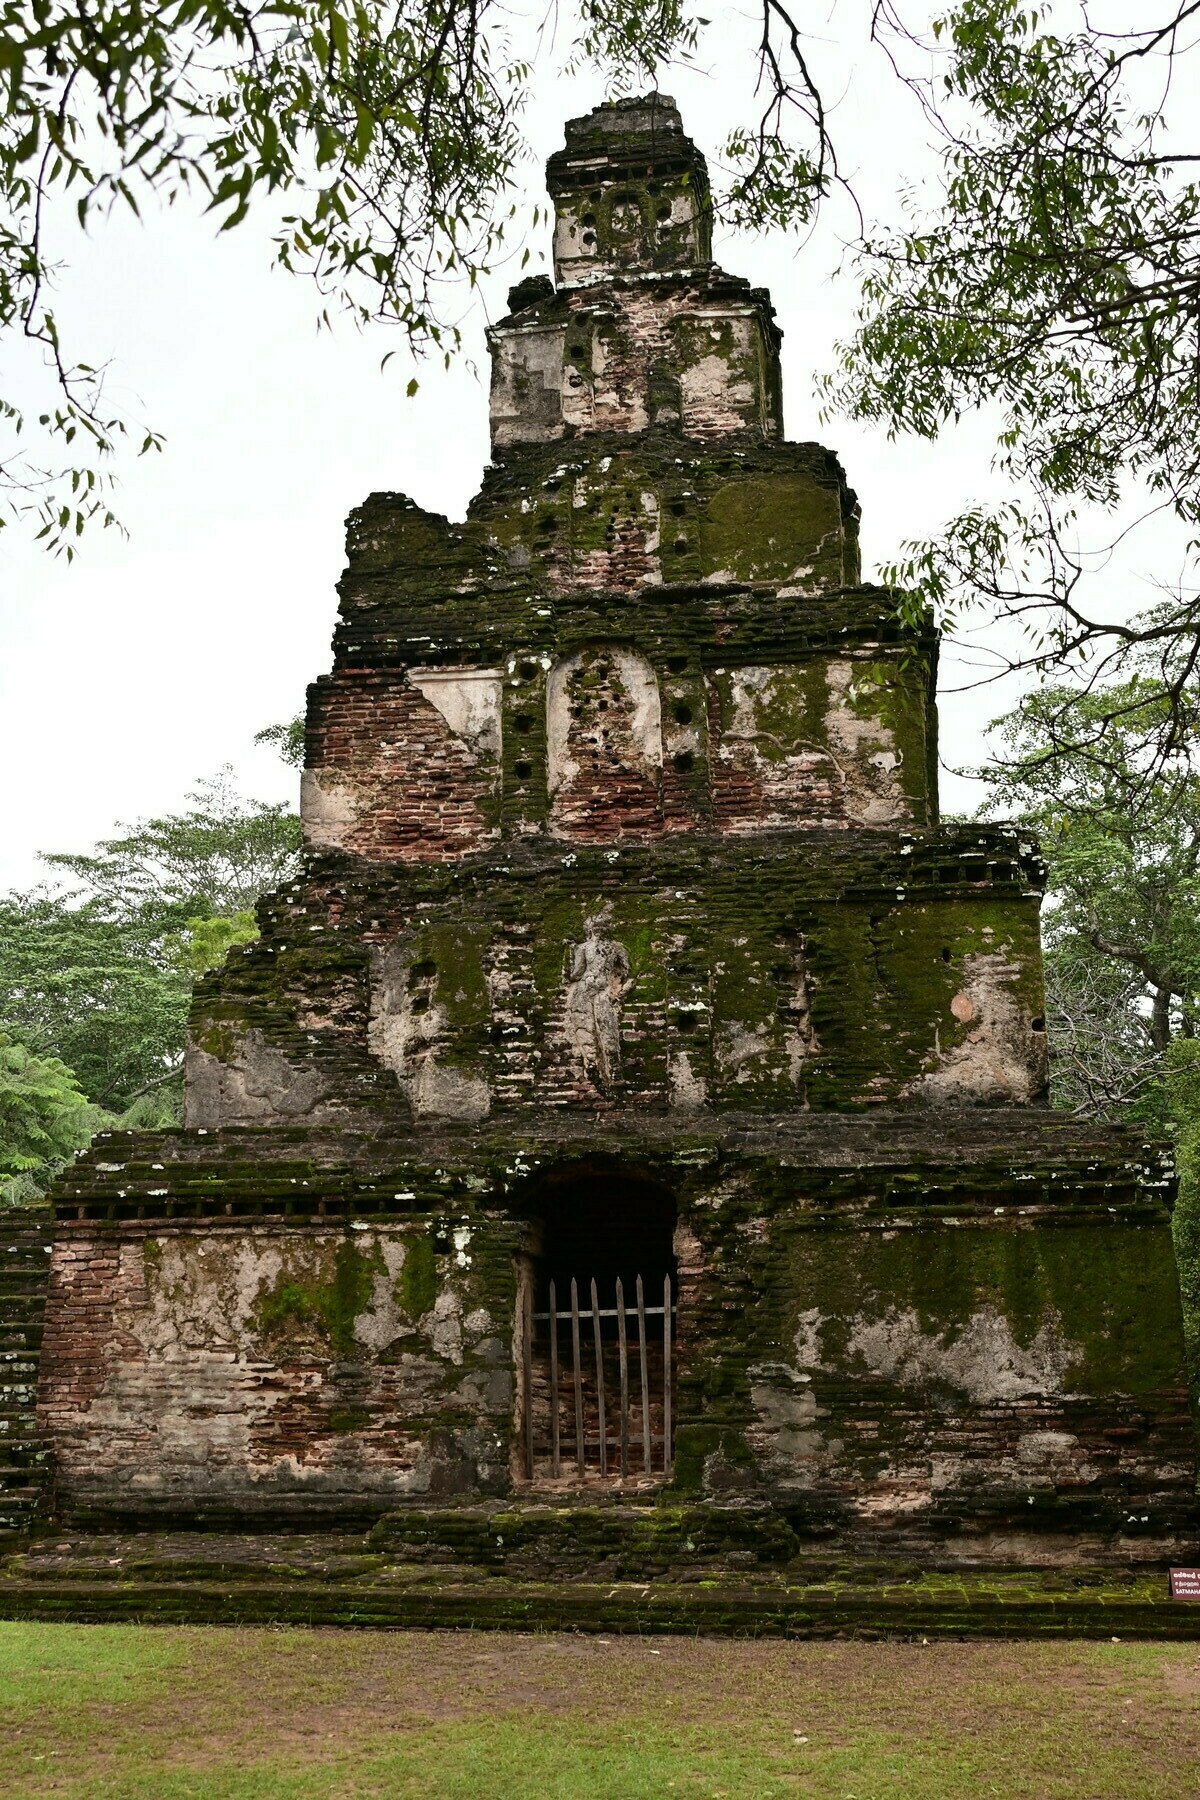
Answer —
153 661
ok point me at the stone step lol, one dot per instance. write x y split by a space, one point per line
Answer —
20 1497
996 1604
24 1464
21 1471
27 1453
532 1538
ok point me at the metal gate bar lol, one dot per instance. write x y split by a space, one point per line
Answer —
554 1444
599 1444
579 1446
599 1379
623 1358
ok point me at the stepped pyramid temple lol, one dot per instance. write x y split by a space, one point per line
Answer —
632 1121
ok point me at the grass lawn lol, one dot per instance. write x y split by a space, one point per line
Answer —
115 1712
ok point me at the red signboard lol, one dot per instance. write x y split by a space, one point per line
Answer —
1185 1584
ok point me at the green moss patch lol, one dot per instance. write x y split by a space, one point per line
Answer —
329 1307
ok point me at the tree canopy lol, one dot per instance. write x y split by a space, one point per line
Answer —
1054 281
386 131
99 973
1120 828
217 857
44 1117
101 991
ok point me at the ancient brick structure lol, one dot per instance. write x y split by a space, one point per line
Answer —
628 944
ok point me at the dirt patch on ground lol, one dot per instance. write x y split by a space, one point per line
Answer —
219 1697
328 1684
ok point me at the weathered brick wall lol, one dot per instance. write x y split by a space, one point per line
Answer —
894 1334
700 358
630 191
809 744
603 746
390 778
264 1369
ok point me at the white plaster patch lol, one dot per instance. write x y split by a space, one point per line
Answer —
738 1045
650 509
441 1092
1001 1060
982 1359
330 807
256 1082
711 391
808 1339
381 1320
445 1325
409 1030
688 1090
786 1432
468 699
527 377
866 750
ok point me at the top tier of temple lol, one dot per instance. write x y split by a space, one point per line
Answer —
650 624
630 193
642 330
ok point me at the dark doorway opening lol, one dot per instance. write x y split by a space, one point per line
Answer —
598 1330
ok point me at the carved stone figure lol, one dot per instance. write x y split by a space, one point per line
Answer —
599 977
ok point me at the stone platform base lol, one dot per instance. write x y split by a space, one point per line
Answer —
211 1579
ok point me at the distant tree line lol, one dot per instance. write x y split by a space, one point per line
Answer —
97 965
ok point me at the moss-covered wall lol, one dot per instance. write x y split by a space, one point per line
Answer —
749 980
959 1371
892 1333
266 1369
977 1365
615 513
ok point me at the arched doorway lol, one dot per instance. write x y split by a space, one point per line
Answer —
597 1329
